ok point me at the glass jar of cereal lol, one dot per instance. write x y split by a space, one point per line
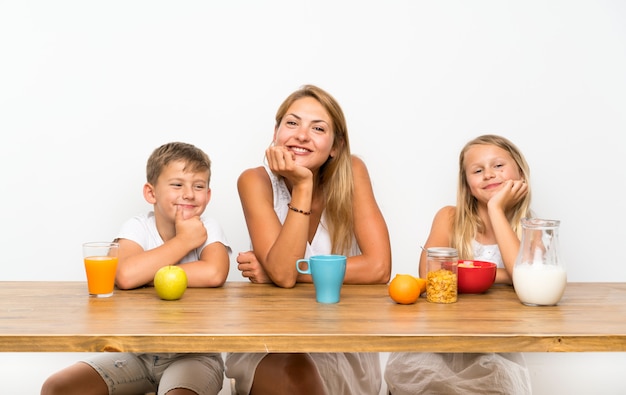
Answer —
442 265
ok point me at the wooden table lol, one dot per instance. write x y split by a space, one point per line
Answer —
244 317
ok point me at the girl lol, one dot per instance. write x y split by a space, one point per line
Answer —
493 195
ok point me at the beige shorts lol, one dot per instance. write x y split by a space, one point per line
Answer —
129 373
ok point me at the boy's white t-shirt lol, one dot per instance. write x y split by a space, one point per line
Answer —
142 230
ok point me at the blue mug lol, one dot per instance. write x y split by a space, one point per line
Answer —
328 272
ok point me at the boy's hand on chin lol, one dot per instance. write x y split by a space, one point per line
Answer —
190 227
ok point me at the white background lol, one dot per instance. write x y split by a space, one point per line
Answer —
89 89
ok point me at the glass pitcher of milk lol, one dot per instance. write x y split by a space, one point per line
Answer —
539 276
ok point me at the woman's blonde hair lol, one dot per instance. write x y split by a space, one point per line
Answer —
335 177
467 223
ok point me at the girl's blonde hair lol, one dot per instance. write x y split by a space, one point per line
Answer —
335 177
467 223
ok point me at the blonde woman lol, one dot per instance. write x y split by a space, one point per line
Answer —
312 197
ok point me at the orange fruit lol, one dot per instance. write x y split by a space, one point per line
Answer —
422 283
404 289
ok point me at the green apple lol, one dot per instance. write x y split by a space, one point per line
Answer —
170 282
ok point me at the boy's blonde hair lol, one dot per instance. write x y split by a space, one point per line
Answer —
467 223
194 158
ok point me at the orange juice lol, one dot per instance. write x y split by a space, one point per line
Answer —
100 274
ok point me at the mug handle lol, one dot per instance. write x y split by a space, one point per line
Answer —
302 271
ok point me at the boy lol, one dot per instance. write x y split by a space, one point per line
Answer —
174 233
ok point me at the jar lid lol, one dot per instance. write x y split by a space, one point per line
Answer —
442 251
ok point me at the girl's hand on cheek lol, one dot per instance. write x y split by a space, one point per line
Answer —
511 192
520 189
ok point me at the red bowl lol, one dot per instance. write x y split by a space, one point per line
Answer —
475 277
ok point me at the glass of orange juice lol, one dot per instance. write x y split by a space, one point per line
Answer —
100 265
